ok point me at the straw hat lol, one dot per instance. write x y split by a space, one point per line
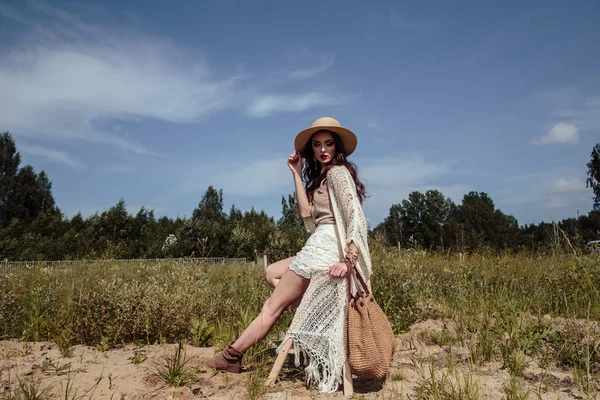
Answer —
330 124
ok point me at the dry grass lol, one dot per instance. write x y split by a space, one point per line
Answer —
507 308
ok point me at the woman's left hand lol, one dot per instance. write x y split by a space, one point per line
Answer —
338 270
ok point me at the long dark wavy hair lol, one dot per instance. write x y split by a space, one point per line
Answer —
314 173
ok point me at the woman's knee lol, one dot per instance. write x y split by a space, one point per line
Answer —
271 275
275 271
290 288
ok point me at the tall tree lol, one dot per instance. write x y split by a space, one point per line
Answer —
210 206
252 232
505 231
9 167
32 195
421 217
140 232
436 215
206 233
414 212
593 179
589 226
393 226
112 230
454 230
46 199
235 215
291 234
476 215
76 244
290 217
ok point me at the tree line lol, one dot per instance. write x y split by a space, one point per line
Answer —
32 227
430 221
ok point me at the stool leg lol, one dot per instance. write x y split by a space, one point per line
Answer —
348 386
279 362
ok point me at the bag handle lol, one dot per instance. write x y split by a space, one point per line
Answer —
354 276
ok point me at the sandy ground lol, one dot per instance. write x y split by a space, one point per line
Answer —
113 375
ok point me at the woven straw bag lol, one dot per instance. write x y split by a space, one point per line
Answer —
371 343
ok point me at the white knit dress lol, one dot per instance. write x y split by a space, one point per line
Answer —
318 325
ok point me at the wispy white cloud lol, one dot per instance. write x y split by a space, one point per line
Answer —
250 178
268 104
390 180
372 125
563 185
528 176
51 154
325 62
561 133
582 108
61 86
559 187
377 206
8 12
387 181
67 77
556 202
258 178
406 170
576 105
586 114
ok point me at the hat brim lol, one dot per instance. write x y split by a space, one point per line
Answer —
346 135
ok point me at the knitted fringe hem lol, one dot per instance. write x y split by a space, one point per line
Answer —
326 374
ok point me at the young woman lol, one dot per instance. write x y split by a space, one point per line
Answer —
330 197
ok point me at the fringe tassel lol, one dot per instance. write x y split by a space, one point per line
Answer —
326 374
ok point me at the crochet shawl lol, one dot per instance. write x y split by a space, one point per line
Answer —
351 223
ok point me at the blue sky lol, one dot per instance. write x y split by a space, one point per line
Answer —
154 101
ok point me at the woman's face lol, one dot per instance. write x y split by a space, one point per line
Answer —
323 147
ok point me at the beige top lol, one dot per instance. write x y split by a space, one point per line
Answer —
321 210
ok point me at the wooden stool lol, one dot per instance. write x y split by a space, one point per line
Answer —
287 349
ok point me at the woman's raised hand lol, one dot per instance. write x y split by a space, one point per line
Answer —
295 163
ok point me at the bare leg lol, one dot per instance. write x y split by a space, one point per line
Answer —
275 271
290 288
